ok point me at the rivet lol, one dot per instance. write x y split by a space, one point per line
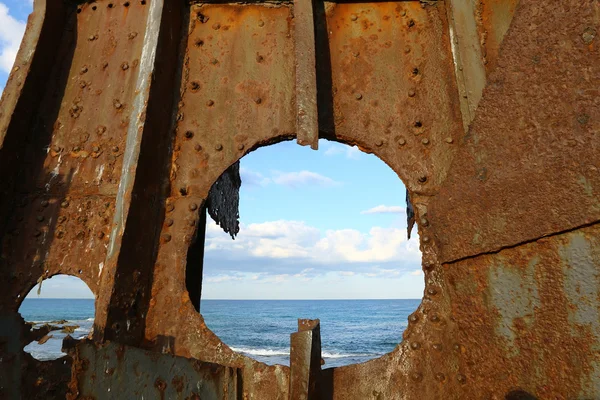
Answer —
449 140
353 17
358 96
92 38
434 318
456 347
64 204
440 377
84 70
125 66
60 234
170 207
177 147
422 179
82 84
415 376
379 143
413 317
115 149
403 13
95 149
56 148
261 23
104 65
401 142
197 147
40 218
117 104
101 129
195 86
424 222
216 26
461 378
37 233
189 134
169 222
437 346
583 119
588 35
167 237
355 53
426 239
411 23
214 61
260 58
62 219
193 207
192 222
415 345
100 235
407 49
258 100
132 35
219 147
412 93
45 203
210 103
241 146
431 291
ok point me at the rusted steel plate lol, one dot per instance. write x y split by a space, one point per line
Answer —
392 86
530 165
494 19
118 372
305 360
528 318
307 130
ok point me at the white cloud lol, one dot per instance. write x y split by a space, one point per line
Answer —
296 179
11 34
334 149
293 247
253 178
383 209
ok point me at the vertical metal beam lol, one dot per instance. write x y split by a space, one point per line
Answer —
305 360
466 48
306 74
131 156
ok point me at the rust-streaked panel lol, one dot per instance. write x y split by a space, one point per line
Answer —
530 163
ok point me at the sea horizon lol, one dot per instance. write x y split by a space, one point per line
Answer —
352 330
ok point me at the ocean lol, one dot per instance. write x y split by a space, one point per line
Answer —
352 331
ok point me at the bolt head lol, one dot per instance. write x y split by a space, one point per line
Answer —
425 141
422 179
169 222
241 146
219 147
461 378
358 96
353 17
440 377
449 140
197 147
210 103
588 35
170 207
415 345
166 237
261 23
193 207
401 142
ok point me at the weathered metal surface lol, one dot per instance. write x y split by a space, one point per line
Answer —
140 106
108 372
305 360
307 130
529 166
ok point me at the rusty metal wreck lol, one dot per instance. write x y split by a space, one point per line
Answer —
119 117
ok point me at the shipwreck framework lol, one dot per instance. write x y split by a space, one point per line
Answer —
119 116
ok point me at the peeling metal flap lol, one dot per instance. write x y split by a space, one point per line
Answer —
223 203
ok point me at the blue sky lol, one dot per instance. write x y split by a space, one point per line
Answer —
314 224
